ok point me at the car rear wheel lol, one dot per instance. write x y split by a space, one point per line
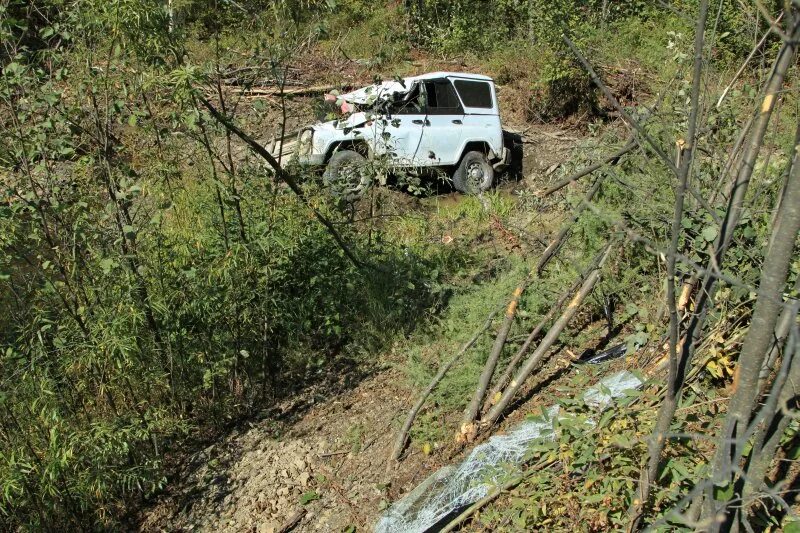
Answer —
474 174
345 176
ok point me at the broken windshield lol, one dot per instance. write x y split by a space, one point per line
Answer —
410 103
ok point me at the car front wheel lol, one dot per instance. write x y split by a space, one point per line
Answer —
474 174
345 174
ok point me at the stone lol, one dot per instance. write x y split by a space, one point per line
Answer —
267 527
304 478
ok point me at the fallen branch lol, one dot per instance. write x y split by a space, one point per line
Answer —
334 454
493 495
293 520
402 437
556 243
494 396
638 127
299 91
613 159
471 412
538 355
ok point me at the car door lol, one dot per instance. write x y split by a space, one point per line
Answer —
399 132
442 131
481 120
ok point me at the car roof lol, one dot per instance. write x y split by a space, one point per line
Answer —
442 74
383 89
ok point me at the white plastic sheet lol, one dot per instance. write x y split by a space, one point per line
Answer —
454 487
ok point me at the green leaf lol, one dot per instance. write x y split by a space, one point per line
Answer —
308 497
710 233
594 498
132 120
792 527
723 493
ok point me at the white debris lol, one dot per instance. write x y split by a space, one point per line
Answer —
488 465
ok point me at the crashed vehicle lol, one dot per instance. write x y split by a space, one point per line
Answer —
443 120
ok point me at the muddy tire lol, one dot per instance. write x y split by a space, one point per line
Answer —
345 176
474 174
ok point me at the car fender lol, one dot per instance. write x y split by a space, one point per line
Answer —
495 148
359 134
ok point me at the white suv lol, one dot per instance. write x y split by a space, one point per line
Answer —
443 119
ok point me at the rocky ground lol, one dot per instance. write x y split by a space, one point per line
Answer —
326 469
318 462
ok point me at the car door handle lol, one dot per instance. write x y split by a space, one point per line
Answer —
456 121
421 122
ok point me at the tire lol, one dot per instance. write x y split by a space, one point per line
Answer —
474 174
344 174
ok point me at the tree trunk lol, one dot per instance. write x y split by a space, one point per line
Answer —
768 437
471 412
552 335
412 414
501 383
759 338
694 328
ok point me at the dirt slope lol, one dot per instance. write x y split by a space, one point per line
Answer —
328 466
255 479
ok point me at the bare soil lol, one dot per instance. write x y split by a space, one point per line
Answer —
328 465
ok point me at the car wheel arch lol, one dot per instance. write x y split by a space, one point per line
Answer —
355 145
476 146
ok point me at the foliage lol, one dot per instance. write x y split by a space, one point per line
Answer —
157 282
153 286
591 482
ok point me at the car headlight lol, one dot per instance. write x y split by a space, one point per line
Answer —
306 142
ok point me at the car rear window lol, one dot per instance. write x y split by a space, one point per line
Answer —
474 93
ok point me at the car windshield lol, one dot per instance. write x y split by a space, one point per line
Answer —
410 103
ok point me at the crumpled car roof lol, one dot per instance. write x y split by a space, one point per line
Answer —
369 94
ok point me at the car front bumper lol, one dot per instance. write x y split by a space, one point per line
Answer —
503 161
311 159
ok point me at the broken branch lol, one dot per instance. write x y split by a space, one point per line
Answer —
402 437
534 334
613 159
300 91
538 355
281 174
556 243
293 520
471 412
493 494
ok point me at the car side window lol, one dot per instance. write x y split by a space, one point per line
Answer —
474 93
442 98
